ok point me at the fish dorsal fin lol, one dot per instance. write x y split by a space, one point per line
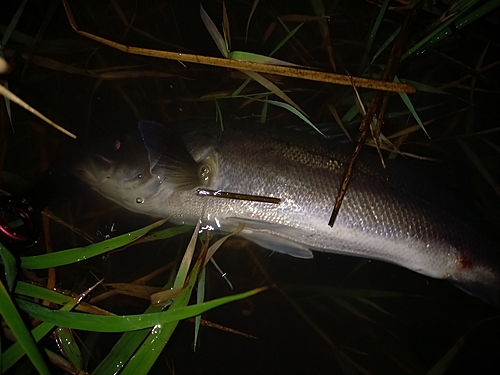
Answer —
273 237
168 156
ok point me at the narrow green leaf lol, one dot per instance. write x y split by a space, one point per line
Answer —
124 323
9 264
214 32
286 39
442 365
422 87
218 115
121 353
167 233
24 338
275 89
180 279
263 112
254 6
214 247
35 291
13 23
69 347
441 31
241 88
222 273
200 298
295 112
411 108
386 44
16 351
128 344
376 25
78 254
152 346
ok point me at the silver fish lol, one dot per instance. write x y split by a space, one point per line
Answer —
384 216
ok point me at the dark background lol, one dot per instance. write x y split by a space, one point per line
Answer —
306 324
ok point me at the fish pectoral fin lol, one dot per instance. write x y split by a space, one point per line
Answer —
273 237
168 157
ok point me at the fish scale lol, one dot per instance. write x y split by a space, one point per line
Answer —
384 216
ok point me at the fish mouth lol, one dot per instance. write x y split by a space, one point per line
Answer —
95 169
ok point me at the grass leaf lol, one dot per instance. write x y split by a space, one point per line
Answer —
61 258
214 32
24 338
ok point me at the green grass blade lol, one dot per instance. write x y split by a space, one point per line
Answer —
218 115
254 6
241 88
9 264
386 44
443 364
78 254
273 88
13 23
376 25
16 351
180 279
296 113
127 345
441 31
286 39
466 20
200 298
24 338
149 351
68 346
35 291
124 323
166 233
213 248
479 12
422 87
222 273
121 353
264 110
411 108
154 343
214 32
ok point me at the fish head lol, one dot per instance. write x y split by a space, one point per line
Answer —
142 170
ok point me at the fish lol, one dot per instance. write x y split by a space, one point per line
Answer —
387 214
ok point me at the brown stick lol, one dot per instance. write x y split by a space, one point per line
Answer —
378 103
311 75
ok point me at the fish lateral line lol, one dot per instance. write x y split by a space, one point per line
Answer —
238 196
